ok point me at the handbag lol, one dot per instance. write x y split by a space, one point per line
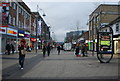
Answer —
23 52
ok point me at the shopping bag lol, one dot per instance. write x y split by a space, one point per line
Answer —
23 52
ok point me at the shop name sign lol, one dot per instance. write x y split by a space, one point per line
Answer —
105 37
11 31
2 30
27 34
21 33
105 42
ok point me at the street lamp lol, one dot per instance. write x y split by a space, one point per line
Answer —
37 16
38 9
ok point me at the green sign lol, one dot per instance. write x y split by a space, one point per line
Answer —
105 43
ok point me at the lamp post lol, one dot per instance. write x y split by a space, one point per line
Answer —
37 16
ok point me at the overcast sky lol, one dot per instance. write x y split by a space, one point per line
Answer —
64 16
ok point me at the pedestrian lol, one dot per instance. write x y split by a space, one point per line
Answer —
28 48
12 48
22 53
44 50
48 49
8 48
58 49
83 50
77 49
86 48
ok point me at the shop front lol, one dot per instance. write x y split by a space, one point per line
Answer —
20 36
116 44
12 37
32 42
27 37
2 39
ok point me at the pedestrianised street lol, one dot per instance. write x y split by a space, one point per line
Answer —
63 66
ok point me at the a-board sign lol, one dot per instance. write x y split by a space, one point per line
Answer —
105 42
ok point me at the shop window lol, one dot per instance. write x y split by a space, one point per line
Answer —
22 12
117 27
15 6
6 1
0 9
14 21
4 9
22 25
7 8
106 30
19 10
10 4
19 24
9 19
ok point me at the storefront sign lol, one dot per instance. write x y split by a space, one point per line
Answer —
2 30
20 33
33 39
105 45
27 35
105 42
11 31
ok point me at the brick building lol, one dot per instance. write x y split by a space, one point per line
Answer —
19 22
102 15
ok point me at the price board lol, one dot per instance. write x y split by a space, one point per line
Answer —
105 42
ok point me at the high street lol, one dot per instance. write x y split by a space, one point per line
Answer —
63 66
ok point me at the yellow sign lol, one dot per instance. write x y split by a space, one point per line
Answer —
21 34
105 43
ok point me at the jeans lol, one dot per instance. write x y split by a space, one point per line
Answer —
58 52
44 52
21 60
48 51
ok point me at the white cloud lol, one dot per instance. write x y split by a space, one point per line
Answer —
63 16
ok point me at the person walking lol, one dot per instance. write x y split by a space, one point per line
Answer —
83 50
22 53
8 48
28 48
48 49
44 50
86 48
77 49
58 49
12 48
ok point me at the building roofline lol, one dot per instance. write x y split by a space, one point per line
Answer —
114 21
25 6
104 5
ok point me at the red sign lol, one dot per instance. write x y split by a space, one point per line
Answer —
33 39
5 4
3 25
3 30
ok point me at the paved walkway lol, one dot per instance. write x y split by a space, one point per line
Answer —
9 60
66 66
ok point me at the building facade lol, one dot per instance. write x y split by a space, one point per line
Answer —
102 15
17 21
116 34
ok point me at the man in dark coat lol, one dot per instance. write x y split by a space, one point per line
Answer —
48 49
8 48
44 50
12 48
58 49
83 50
77 49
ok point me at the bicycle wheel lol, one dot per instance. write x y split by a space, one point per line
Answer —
104 58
